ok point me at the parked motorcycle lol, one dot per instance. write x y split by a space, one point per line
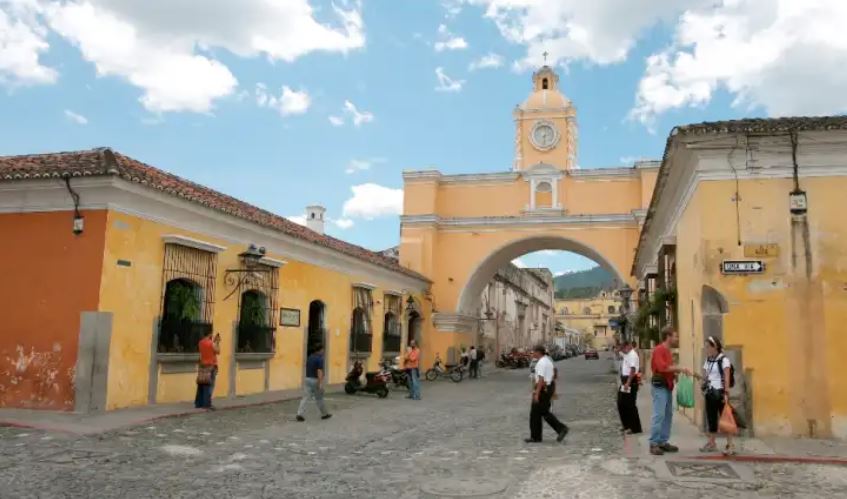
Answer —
373 382
455 373
398 376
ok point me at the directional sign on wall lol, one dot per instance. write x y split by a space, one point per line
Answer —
742 267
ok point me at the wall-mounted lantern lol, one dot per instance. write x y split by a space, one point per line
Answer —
251 273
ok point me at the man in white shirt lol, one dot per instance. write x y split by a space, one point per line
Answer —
545 387
628 393
473 356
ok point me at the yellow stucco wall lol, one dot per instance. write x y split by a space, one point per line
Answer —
133 295
789 327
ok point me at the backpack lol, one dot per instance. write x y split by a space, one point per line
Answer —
719 359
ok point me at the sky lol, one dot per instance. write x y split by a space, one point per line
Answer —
286 103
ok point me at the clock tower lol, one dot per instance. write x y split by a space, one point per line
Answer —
545 126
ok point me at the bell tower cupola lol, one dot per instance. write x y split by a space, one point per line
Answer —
545 125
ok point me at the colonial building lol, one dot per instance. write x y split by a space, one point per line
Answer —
592 316
112 270
746 241
516 309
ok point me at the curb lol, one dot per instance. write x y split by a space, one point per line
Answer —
60 429
753 458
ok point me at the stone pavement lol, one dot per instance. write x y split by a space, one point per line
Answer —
462 440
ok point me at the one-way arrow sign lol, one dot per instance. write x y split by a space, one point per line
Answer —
742 267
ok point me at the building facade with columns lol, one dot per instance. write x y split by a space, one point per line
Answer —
113 270
592 317
746 236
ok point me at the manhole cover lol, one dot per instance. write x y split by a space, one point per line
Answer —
711 471
699 471
453 487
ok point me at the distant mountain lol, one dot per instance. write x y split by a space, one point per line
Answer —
583 283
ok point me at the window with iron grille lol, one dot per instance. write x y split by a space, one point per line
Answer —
188 298
256 331
392 329
361 331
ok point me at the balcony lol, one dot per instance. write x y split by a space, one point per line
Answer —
252 338
181 336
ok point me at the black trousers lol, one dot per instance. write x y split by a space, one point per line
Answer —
628 409
714 408
474 369
541 410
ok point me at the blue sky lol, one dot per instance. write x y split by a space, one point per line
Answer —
376 87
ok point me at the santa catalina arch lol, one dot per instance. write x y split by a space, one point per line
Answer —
459 229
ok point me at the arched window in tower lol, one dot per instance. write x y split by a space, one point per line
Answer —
544 195
544 84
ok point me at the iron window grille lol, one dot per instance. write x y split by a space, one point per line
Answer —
188 298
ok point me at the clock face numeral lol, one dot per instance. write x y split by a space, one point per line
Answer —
544 135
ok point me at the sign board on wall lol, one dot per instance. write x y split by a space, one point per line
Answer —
736 267
761 250
289 317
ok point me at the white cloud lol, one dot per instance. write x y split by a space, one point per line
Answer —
548 252
22 40
517 262
167 47
76 118
288 103
343 223
765 53
371 201
599 31
449 41
447 84
358 165
452 8
336 120
490 60
298 219
359 117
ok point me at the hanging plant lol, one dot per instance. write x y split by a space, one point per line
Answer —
182 301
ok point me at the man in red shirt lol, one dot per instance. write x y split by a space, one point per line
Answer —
209 350
664 375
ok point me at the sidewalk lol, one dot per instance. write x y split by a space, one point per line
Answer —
90 424
689 439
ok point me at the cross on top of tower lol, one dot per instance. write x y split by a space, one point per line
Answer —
545 54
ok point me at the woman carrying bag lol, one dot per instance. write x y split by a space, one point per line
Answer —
717 376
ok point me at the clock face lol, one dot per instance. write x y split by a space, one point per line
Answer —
544 135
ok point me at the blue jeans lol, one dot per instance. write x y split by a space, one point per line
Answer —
660 424
203 399
414 383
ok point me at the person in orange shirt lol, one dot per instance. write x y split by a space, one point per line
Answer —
412 365
209 350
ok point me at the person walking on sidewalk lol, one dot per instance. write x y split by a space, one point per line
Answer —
664 376
209 350
313 386
473 355
545 387
717 373
628 394
412 365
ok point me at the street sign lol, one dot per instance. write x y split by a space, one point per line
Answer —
761 250
742 267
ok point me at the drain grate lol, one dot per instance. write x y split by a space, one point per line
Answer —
710 471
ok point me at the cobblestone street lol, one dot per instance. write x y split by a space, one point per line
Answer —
463 439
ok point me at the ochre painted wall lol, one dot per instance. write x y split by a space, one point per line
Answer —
788 324
48 276
135 320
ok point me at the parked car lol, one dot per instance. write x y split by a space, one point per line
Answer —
592 354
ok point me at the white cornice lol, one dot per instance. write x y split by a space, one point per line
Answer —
525 221
99 193
455 323
192 243
421 175
604 172
272 262
479 178
364 285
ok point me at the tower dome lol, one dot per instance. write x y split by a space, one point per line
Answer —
545 91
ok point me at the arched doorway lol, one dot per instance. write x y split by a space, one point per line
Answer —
713 307
316 328
469 298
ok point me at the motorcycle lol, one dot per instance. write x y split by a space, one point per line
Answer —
455 373
398 376
373 382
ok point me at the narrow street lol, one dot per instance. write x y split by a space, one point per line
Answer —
462 440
